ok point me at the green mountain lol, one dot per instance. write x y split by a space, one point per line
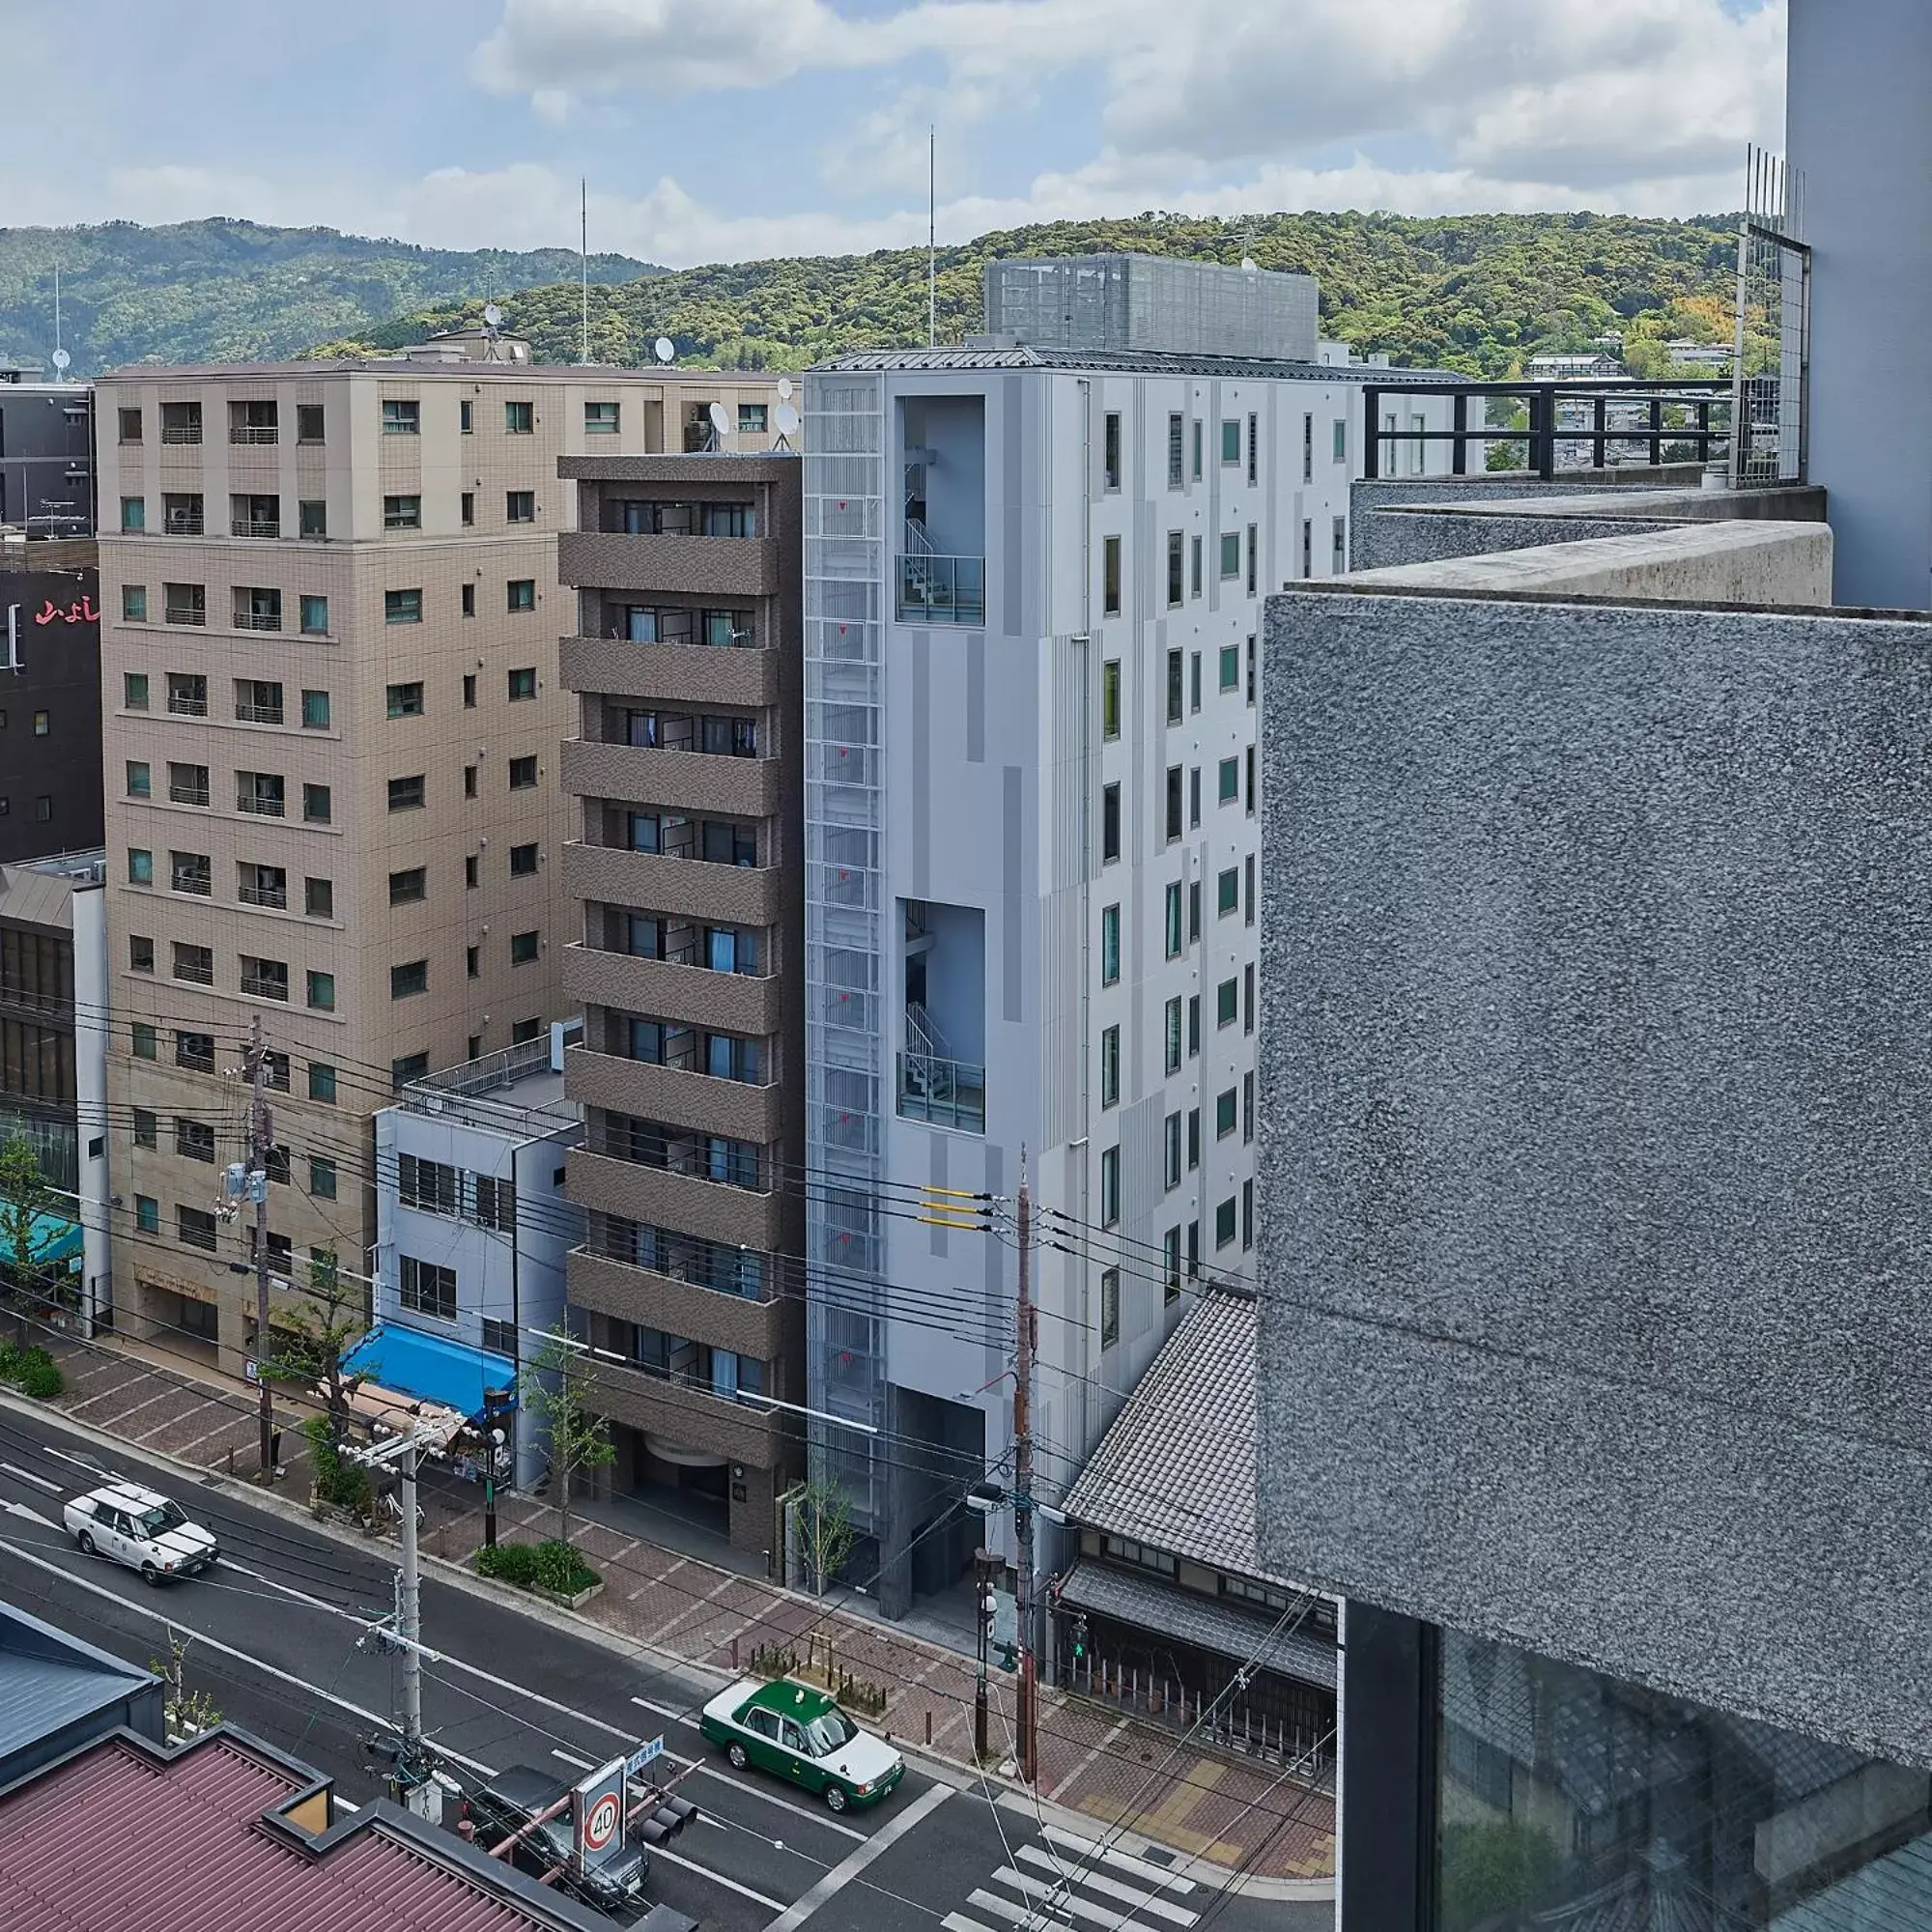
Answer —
202 291
1475 293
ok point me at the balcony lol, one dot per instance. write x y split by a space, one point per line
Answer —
938 589
724 894
254 433
259 620
687 1414
631 1294
259 714
713 1209
698 784
943 1093
183 523
730 569
187 794
702 1102
254 526
672 673
274 897
182 705
674 989
185 614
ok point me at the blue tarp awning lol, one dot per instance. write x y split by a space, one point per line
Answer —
429 1368
52 1238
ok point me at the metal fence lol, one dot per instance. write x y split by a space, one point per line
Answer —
1771 364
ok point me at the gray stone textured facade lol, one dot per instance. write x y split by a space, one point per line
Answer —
1596 1174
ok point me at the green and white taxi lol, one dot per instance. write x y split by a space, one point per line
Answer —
802 1735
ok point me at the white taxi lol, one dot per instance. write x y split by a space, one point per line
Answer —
141 1529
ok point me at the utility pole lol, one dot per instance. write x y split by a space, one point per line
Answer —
1028 1727
261 1138
983 1612
409 1607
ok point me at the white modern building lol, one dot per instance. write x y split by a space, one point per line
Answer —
1032 583
472 1229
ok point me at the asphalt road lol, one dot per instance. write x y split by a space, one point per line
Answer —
277 1636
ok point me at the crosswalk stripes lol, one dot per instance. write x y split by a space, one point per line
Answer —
1065 1886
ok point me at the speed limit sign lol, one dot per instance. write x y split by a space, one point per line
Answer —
600 1824
598 1805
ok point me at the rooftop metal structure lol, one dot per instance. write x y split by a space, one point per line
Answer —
1129 362
519 1089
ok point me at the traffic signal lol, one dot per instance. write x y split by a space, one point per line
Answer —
1079 1637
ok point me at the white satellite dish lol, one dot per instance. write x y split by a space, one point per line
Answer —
787 419
721 420
60 358
665 349
785 389
492 315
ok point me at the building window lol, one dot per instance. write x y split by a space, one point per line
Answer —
473 965
470 782
140 778
1253 559
600 419
427 1288
1338 548
195 965
143 1041
1227 1003
1110 451
194 1226
1247 1109
134 513
320 1080
522 593
1194 566
409 980
1230 553
522 1031
1229 667
523 773
315 616
523 683
1253 669
146 1129
1194 681
406 794
134 604
1170 1058
315 710
131 425
1193 1138
1224 1223
1231 443
188 785
411 1066
403 607
466 599
1109 699
1248 761
190 872
1247 998
194 1140
519 418
523 862
322 1176
1199 430
406 700
1110 1307
265 979
408 888
1110 945
1110 1186
1177 686
1110 823
1110 576
469 691
140 953
1174 588
322 991
1308 448
1247 1214
520 506
1173 821
1225 1120
1171 1152
312 517
523 948
315 804
147 1214
318 897
1307 547
1228 778
1169 1270
471 879
1338 449
402 512
465 417
1171 921
1176 451
400 416
308 422
1228 892
1110 1066
1248 888
259 793
1193 910
1254 450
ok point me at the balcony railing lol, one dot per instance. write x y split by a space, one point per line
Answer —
259 805
254 433
691 952
180 794
274 897
941 589
181 706
945 1092
693 1163
266 985
196 972
260 714
259 620
183 523
196 883
181 432
255 526
185 614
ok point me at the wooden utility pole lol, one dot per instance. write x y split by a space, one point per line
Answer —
261 1138
1029 1688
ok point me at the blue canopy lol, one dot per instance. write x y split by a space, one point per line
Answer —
52 1238
429 1368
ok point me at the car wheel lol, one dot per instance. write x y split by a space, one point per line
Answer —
150 1576
834 1797
86 1543
736 1756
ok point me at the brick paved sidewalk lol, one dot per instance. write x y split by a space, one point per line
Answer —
1111 1767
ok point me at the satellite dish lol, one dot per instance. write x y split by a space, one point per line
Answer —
787 419
492 315
721 420
665 349
61 358
785 389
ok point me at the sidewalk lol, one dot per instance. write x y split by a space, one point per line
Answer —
1094 1760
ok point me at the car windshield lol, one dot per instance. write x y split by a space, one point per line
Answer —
161 1518
832 1732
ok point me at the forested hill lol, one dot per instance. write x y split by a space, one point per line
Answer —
201 291
1476 292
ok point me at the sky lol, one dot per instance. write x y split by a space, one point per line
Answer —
730 129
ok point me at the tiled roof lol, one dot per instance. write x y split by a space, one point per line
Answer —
1176 1469
122 1838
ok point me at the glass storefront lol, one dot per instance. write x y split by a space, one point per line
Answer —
1574 1803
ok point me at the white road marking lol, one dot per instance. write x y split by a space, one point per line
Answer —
1158 1876
848 1868
78 1461
665 1711
30 1515
717 1877
1107 1887
1058 1899
28 1476
290 1590
571 1757
957 1921
1001 1908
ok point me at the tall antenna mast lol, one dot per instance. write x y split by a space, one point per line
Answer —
932 235
584 252
59 364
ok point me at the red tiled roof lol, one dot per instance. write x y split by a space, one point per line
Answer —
115 1841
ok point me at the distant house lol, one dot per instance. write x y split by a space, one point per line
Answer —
1585 365
1701 358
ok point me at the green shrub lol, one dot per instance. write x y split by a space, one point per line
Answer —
9 1359
510 1563
336 1480
40 1378
561 1569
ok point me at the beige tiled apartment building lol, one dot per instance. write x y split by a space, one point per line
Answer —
332 723
685 866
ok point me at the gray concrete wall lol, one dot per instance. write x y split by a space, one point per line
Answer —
1705 563
1860 73
1596 1163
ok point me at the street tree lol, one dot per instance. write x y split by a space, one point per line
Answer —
319 1329
825 1532
26 1231
580 1439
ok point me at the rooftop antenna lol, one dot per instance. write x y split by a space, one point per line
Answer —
786 415
665 349
720 424
584 252
932 235
493 317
